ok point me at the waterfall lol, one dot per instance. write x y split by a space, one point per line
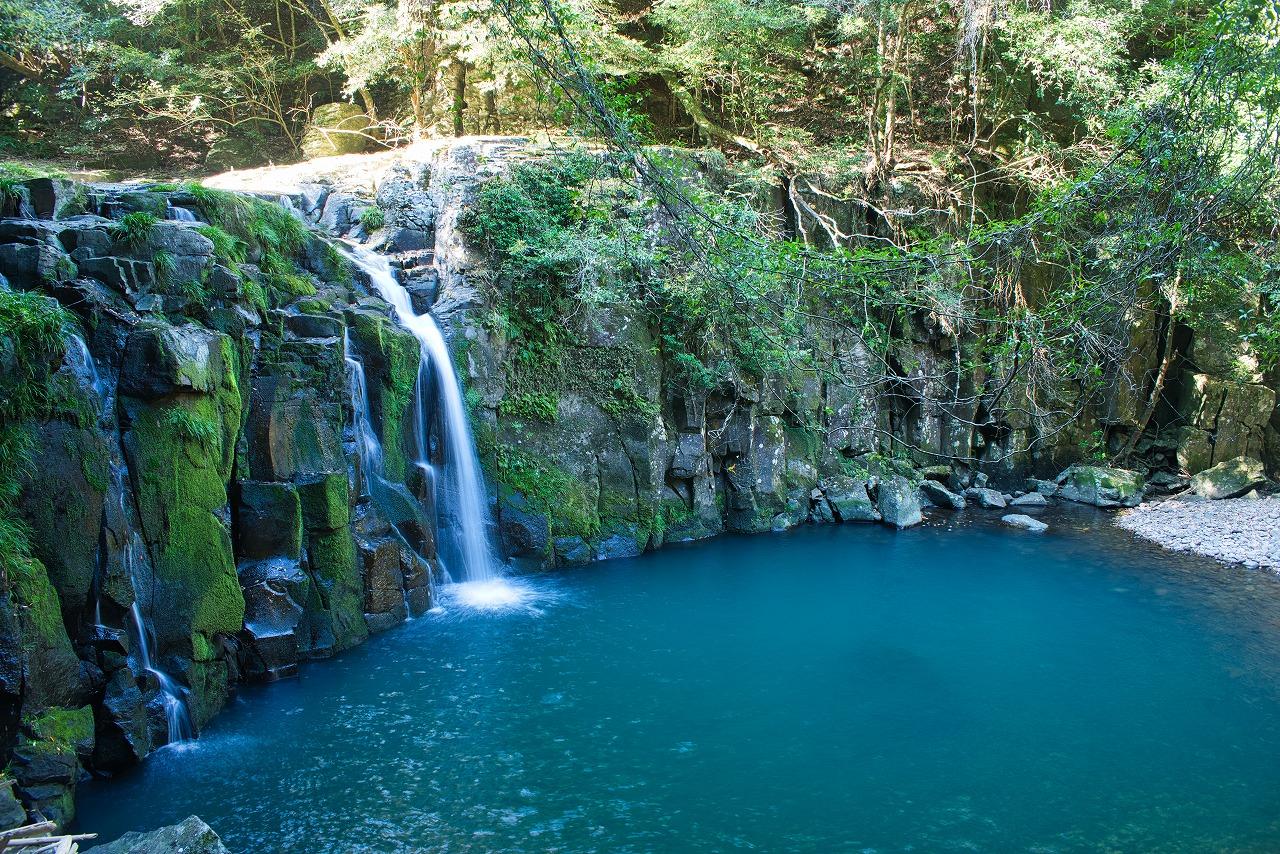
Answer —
367 445
180 214
172 696
175 705
88 366
465 534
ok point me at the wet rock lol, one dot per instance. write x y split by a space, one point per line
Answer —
270 521
525 531
1031 499
618 546
1026 523
849 500
1229 479
940 496
12 813
983 497
1100 486
190 836
572 551
898 503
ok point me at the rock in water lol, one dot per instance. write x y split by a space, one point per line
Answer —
1101 486
1026 523
899 503
189 836
1031 499
848 499
984 497
941 496
1229 479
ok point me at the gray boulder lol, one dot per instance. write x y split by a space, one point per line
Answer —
1031 499
984 497
1101 486
941 496
189 836
899 503
1229 479
1026 523
849 500
1044 487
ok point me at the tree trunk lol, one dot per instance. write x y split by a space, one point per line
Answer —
459 95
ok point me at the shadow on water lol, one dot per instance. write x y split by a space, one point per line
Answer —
955 687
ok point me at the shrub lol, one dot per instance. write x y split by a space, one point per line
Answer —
372 218
134 229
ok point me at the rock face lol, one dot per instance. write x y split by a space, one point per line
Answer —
1229 479
189 836
193 485
1100 486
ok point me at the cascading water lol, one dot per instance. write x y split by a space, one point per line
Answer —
176 713
89 367
180 214
469 555
367 445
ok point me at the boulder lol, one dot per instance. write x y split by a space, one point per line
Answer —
1101 486
941 496
1031 499
190 836
899 503
849 500
337 128
1229 479
618 545
1044 487
1026 523
984 497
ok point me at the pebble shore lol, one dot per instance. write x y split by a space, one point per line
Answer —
1240 530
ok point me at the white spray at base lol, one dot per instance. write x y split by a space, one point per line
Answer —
463 503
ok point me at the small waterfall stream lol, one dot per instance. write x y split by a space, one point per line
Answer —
181 214
468 553
172 695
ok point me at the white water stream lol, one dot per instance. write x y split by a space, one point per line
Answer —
466 548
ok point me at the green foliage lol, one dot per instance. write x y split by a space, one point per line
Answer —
372 218
193 426
549 490
164 263
134 229
33 330
229 249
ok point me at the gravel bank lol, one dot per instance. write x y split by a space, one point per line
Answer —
1242 530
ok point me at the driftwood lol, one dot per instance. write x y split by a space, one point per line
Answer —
36 839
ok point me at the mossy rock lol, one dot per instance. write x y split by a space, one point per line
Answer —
337 128
332 560
1101 486
326 502
1229 479
390 356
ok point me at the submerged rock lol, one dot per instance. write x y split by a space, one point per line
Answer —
1101 486
1026 523
189 836
1229 479
898 502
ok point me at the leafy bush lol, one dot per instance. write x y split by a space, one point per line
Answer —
372 218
